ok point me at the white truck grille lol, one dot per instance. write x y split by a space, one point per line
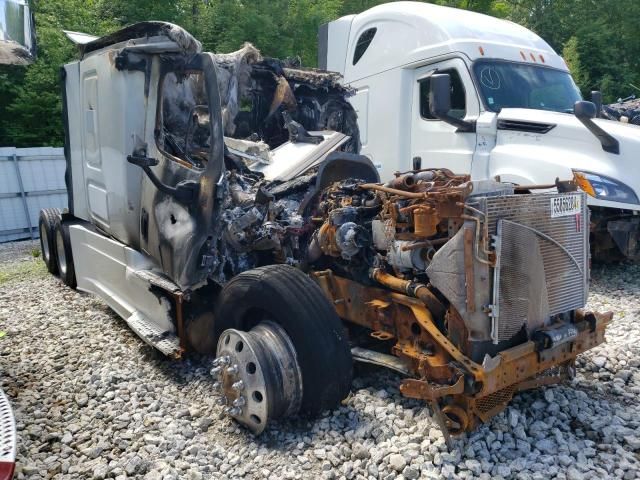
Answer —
551 230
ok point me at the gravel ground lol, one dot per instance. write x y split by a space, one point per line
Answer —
93 401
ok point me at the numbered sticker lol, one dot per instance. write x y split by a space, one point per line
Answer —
565 205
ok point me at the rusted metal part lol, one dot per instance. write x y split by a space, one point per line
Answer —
179 298
541 381
402 182
366 306
520 363
393 191
481 238
425 222
472 392
381 359
468 269
457 330
425 321
424 390
327 240
561 186
411 288
524 188
390 281
456 419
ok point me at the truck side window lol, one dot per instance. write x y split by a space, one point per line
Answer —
363 43
183 129
458 100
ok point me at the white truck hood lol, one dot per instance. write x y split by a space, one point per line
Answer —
289 159
523 155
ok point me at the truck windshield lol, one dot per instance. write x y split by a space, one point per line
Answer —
518 85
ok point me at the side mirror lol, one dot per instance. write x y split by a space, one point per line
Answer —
586 112
596 99
440 95
440 102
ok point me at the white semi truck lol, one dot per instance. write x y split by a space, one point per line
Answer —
487 97
289 263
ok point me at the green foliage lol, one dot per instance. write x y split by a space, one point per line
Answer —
571 55
598 38
23 270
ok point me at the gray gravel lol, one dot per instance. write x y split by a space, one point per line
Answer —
93 401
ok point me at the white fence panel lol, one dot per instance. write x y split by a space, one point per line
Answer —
30 179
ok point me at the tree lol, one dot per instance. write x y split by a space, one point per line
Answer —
597 37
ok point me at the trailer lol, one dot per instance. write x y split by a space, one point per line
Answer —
288 262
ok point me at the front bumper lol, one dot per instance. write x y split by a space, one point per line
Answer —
519 368
523 367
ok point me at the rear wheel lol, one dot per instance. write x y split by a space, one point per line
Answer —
46 225
64 257
281 347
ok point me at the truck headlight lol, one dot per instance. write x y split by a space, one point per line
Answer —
605 188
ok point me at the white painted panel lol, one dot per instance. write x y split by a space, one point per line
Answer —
360 103
107 268
98 203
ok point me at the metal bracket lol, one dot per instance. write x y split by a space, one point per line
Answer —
425 390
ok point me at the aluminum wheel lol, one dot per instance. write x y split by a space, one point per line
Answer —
257 375
44 242
62 258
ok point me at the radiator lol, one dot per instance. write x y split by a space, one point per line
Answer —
542 266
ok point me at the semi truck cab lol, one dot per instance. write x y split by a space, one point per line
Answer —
510 112
291 265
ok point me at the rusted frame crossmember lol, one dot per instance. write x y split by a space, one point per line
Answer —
372 307
513 366
443 375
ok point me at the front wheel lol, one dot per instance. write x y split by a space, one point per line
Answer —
281 347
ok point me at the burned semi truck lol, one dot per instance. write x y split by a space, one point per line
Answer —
218 205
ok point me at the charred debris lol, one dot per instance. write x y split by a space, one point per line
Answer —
626 110
255 91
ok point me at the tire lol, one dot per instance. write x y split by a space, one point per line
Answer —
64 257
290 298
46 224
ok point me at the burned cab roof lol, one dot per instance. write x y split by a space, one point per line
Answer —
255 91
144 32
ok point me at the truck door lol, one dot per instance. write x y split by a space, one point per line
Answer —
183 164
438 143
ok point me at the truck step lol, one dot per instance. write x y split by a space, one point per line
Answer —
167 342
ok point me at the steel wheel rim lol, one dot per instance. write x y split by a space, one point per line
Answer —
257 375
62 258
44 243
